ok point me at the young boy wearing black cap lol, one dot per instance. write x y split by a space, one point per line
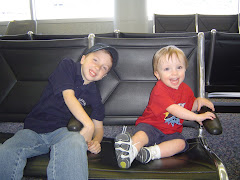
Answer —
71 87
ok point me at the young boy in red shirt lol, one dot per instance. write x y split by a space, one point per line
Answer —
158 130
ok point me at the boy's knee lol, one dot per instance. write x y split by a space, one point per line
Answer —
77 137
76 140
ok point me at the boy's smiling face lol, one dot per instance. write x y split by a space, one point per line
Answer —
95 66
171 71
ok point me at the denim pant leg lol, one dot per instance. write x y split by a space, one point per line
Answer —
15 151
68 157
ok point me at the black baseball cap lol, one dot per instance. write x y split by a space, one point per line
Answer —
101 46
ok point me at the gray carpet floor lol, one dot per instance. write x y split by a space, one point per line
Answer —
226 146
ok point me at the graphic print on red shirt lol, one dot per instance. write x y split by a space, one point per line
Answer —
170 119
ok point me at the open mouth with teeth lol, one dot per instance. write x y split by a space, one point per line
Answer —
174 81
92 73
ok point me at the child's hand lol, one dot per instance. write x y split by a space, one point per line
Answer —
204 116
94 147
200 102
87 133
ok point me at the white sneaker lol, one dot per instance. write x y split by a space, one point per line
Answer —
147 154
124 150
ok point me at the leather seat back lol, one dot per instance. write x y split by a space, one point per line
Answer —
24 70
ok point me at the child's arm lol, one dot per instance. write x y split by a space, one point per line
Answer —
77 110
94 145
183 113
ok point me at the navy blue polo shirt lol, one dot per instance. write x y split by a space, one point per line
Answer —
51 111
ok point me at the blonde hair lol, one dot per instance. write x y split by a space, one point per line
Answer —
162 54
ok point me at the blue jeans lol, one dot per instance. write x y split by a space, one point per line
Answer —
68 154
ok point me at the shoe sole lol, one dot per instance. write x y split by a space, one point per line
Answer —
143 156
122 146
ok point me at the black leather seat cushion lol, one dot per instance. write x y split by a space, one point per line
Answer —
104 165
